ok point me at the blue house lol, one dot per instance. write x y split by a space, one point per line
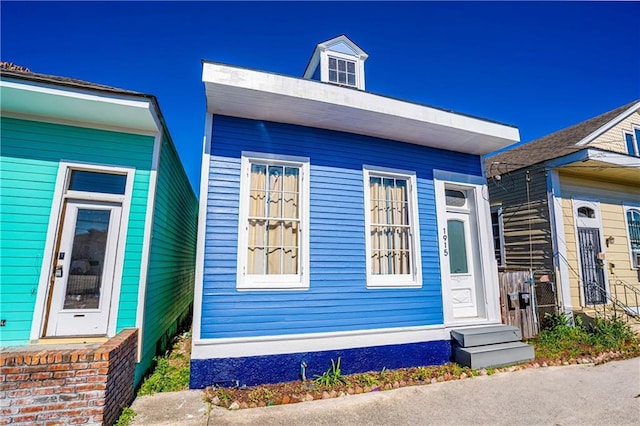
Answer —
336 222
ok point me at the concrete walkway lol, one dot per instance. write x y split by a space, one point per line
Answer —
608 394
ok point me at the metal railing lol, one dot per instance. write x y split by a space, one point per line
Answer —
623 300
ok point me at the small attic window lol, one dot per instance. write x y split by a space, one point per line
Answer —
342 71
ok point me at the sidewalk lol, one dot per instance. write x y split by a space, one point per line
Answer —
608 394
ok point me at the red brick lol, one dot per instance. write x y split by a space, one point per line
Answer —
79 366
41 376
99 364
10 410
78 420
66 389
8 386
49 415
43 391
23 402
63 374
76 404
86 387
28 418
93 395
11 370
52 382
96 379
54 407
60 367
83 373
98 418
17 377
54 424
32 409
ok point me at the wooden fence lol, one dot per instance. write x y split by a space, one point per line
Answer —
517 300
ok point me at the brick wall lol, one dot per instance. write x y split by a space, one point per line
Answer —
79 384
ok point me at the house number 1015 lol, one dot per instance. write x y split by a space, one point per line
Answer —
444 242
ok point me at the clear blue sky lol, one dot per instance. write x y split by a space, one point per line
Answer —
539 66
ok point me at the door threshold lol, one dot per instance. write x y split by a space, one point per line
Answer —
69 340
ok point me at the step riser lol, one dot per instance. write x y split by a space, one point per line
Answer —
493 358
486 336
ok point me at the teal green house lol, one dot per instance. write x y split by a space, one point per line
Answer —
97 215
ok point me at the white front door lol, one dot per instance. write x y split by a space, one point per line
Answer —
83 268
461 268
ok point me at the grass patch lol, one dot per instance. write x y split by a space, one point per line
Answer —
126 417
561 341
171 372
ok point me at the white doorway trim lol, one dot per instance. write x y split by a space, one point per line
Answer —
59 197
489 301
595 223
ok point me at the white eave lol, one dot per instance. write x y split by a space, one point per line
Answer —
81 107
241 92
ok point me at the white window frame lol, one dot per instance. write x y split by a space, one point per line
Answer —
299 281
635 143
627 208
498 210
324 68
413 280
346 71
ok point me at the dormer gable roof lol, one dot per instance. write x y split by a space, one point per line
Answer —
341 45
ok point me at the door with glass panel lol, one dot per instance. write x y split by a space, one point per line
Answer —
83 268
463 253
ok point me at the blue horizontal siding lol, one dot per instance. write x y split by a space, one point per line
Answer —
337 298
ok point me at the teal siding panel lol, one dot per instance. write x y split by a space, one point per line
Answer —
29 162
171 275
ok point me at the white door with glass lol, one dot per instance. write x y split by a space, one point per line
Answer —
461 270
83 269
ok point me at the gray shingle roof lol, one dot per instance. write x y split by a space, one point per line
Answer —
63 81
551 146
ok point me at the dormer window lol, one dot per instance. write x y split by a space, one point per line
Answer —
338 61
342 71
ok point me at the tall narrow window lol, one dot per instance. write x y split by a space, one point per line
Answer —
273 221
628 138
392 256
498 235
633 228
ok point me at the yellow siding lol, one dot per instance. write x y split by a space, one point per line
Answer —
613 139
612 199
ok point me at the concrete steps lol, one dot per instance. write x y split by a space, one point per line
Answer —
490 346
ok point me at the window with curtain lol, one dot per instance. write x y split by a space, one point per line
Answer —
272 222
391 247
633 229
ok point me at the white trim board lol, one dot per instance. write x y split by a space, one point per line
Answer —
314 342
146 243
556 214
202 226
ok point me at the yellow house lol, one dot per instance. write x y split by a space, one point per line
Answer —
567 206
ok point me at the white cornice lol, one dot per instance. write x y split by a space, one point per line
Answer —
259 95
83 107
